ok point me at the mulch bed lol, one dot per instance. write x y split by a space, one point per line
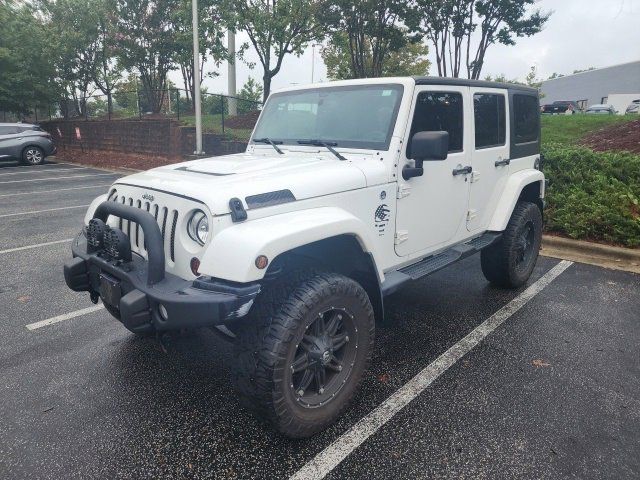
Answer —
246 121
625 136
113 160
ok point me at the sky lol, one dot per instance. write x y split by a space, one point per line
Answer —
580 34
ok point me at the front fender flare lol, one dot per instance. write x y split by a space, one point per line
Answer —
510 195
231 254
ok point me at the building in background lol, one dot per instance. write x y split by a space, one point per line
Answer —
617 85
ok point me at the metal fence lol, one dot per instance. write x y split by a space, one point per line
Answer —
222 114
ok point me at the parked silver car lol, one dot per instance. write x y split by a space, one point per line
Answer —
600 109
634 107
27 143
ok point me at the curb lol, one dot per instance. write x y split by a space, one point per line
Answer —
607 256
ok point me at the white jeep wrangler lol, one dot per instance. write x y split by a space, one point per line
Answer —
347 191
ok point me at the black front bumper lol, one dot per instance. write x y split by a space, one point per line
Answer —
148 299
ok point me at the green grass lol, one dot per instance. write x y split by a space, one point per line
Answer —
569 129
213 124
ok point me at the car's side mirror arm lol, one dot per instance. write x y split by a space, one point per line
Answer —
415 171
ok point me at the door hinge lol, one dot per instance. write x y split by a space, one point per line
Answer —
401 236
475 176
471 214
404 190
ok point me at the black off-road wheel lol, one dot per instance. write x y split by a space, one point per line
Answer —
302 352
509 262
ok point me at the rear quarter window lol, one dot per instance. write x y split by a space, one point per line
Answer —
526 118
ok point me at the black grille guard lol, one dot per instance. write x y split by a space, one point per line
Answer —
152 234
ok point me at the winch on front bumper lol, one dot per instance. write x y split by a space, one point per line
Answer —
140 292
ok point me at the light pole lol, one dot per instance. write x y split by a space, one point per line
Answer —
231 47
196 78
313 59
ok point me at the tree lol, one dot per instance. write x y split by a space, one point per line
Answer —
82 40
457 27
147 43
275 28
407 61
26 68
251 95
368 31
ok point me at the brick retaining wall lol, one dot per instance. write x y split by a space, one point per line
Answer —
163 137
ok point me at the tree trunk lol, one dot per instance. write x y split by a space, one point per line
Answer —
266 85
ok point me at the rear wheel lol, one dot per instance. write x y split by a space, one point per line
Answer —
33 155
300 358
509 262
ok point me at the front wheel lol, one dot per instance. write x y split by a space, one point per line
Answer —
509 262
33 155
301 356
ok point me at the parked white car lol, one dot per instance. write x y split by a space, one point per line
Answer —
347 192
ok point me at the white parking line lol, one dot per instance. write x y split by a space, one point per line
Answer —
62 318
36 245
41 211
334 454
60 178
38 167
44 171
56 190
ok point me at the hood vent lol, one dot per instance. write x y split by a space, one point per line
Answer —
269 199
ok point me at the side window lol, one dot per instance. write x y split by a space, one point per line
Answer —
439 111
490 124
7 130
526 118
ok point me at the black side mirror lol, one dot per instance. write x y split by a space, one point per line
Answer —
425 147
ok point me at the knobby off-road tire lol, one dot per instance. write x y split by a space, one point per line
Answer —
300 326
509 262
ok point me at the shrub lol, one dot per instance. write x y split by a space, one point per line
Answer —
593 195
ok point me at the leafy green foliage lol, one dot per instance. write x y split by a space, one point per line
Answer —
407 61
363 34
593 195
26 67
463 30
251 91
276 28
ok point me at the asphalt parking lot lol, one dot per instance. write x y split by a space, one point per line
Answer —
467 381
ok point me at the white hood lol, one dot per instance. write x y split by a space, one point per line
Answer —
218 179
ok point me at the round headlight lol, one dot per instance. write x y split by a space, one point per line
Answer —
198 227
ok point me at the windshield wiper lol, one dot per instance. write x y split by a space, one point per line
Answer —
273 143
328 145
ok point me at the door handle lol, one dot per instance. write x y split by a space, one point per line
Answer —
501 163
462 170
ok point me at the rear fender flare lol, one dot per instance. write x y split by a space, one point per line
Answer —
510 195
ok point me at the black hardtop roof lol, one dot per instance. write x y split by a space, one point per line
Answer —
463 82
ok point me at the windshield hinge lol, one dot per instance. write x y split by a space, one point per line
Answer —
404 190
401 236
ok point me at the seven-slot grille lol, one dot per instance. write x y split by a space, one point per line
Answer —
166 218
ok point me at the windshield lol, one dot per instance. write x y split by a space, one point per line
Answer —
359 116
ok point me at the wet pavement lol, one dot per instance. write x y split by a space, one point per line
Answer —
554 392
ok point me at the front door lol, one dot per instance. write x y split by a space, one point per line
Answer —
490 157
431 209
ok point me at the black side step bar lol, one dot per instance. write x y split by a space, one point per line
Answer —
394 280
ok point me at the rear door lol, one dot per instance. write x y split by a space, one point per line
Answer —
490 155
8 140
